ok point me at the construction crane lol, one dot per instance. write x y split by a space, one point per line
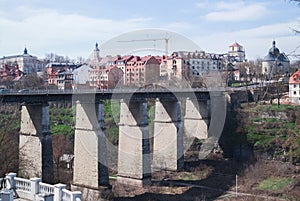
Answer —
166 39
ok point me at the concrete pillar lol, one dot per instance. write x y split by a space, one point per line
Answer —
168 138
134 148
196 119
36 156
218 109
90 149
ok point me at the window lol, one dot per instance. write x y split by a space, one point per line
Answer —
295 92
295 86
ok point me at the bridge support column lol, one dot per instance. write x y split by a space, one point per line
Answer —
36 157
196 118
168 137
90 149
134 149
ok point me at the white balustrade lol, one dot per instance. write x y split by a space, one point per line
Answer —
23 188
35 189
46 189
23 184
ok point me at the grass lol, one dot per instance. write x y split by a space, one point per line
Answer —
275 107
274 184
192 176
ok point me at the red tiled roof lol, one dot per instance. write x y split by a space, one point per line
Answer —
235 45
146 58
295 78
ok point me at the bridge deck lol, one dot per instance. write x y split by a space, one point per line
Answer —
42 96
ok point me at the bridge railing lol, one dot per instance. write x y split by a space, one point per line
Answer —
116 90
35 189
23 187
46 189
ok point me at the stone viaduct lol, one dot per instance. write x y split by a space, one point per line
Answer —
177 113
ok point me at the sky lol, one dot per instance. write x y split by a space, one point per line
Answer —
72 27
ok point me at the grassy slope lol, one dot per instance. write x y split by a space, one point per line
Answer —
274 131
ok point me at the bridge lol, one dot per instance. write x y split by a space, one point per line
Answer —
192 112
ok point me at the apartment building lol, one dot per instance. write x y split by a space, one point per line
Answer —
107 77
191 65
141 71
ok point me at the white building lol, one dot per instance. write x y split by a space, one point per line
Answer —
81 76
294 88
275 63
236 53
192 65
26 62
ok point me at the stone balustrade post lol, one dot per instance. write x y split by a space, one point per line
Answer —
34 187
58 191
11 182
76 196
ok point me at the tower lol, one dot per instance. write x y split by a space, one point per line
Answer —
95 59
237 52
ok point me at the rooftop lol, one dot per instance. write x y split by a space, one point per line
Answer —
295 78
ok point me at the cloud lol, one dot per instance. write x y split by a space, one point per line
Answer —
237 11
203 4
57 32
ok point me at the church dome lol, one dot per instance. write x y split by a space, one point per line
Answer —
274 50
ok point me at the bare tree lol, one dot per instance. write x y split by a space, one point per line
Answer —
9 139
33 81
52 57
61 145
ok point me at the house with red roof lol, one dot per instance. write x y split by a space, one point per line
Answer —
107 77
236 52
10 72
141 71
294 88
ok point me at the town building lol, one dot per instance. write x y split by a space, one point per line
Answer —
294 88
141 71
236 53
65 79
27 63
10 72
105 77
81 77
191 65
58 75
275 64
